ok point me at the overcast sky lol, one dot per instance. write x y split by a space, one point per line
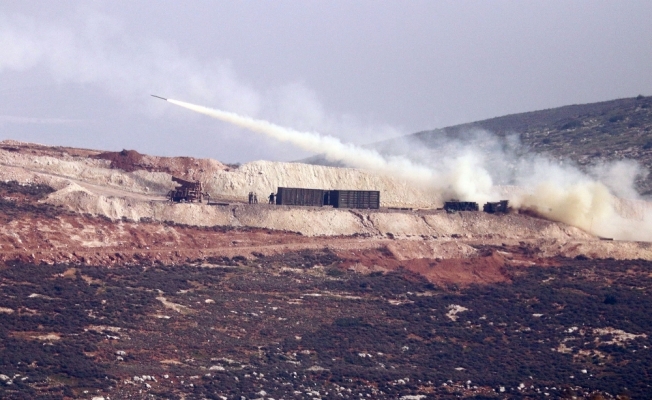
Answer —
80 73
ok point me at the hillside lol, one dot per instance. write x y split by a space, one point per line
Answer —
587 134
108 290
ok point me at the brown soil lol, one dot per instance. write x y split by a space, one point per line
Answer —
131 160
126 160
488 267
454 271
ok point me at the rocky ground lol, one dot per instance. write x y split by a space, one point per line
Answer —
107 290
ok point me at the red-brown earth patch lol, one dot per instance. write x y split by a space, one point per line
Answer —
482 269
184 167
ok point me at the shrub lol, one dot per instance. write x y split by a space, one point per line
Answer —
334 272
571 125
610 299
346 322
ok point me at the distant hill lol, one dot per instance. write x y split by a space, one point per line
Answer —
587 134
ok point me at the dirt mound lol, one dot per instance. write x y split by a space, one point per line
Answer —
127 160
477 269
461 267
131 160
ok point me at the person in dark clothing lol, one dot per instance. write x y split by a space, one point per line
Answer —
272 198
255 198
251 197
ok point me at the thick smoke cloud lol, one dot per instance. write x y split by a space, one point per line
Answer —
470 169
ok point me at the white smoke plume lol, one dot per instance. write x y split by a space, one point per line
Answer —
461 177
332 147
550 189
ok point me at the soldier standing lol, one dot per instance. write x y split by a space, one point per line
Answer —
271 198
251 197
255 198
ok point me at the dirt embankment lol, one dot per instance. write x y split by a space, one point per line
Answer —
98 215
189 168
138 173
35 232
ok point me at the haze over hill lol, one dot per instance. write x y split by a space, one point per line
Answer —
586 134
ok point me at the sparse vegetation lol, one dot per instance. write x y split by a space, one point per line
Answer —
250 329
37 191
19 201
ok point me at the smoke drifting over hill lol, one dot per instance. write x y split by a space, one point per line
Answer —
551 189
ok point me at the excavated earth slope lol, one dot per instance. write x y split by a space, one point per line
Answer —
114 202
143 174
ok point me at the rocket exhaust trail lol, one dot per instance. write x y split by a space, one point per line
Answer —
331 147
584 203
